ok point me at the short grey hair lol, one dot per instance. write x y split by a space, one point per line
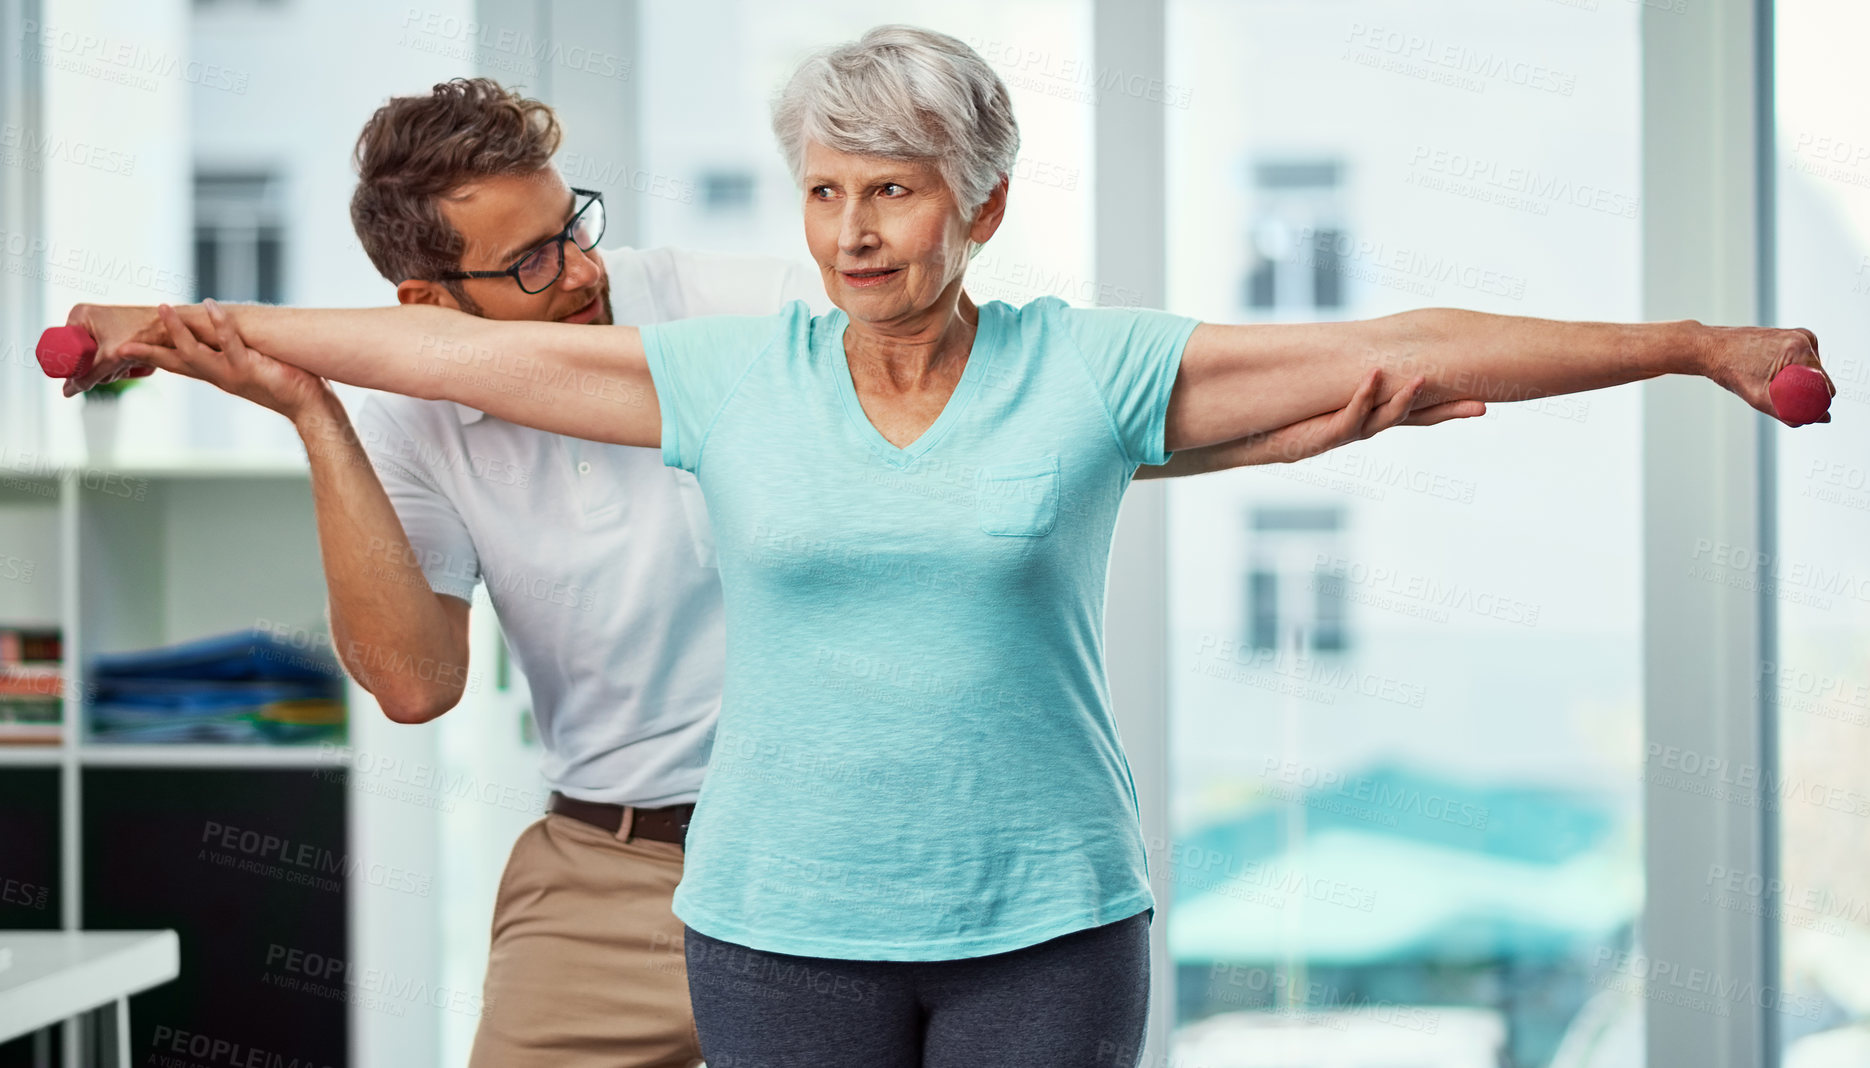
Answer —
906 93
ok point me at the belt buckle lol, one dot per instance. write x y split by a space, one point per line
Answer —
628 824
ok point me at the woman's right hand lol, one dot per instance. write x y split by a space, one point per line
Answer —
112 326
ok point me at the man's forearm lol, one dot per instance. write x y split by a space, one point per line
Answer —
388 626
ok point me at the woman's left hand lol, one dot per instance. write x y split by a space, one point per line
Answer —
1363 417
1744 360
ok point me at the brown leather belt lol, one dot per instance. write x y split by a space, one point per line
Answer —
667 824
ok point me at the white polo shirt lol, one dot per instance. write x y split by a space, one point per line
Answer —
598 559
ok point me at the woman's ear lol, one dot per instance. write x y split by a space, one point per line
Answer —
988 216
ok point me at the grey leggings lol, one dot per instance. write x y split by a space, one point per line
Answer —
1080 999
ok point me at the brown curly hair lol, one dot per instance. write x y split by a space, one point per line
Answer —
416 150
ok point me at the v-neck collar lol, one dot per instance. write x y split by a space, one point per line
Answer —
986 333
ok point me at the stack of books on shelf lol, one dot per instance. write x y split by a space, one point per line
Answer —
32 686
249 687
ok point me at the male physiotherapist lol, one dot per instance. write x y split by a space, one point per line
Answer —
597 558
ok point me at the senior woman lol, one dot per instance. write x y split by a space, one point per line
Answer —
918 841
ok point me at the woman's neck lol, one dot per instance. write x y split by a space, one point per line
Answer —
909 354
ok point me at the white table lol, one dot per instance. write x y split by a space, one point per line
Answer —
55 975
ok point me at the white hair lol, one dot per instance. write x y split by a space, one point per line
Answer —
905 93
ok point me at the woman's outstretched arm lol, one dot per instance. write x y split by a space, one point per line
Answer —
583 381
1236 381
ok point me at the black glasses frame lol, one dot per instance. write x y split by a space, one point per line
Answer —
559 240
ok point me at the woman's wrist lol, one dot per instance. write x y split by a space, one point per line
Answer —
1692 348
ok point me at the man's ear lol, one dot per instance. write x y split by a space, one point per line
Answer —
421 291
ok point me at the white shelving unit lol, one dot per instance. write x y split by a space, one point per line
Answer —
209 756
131 557
31 756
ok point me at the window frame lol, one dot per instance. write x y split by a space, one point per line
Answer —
22 211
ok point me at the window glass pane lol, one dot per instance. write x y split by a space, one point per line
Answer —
207 269
1406 723
270 252
238 237
1820 569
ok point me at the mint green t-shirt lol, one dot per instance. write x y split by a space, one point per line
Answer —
915 757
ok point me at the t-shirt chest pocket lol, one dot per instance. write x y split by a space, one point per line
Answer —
1019 499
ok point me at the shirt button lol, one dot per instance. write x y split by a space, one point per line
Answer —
584 468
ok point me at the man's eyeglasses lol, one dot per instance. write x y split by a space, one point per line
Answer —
538 269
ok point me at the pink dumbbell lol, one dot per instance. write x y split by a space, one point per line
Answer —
67 352
1800 395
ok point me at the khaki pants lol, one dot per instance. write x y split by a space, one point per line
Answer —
587 967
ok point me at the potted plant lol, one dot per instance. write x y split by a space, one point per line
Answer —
101 418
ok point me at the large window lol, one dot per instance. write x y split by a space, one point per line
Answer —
1819 572
1405 714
